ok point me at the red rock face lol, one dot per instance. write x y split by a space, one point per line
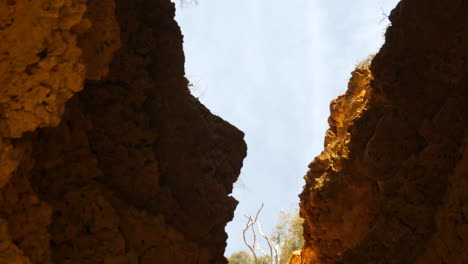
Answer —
132 169
391 185
105 157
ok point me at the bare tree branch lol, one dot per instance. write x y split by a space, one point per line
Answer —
273 248
261 250
385 16
251 225
278 256
267 239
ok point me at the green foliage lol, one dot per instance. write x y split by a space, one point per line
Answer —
240 257
243 257
264 260
288 233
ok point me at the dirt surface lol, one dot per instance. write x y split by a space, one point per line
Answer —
391 185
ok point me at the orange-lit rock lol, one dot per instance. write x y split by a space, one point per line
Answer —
295 257
105 157
391 185
40 65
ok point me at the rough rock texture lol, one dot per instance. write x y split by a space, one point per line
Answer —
132 169
295 257
391 185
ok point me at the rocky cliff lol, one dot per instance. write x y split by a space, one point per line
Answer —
105 157
391 185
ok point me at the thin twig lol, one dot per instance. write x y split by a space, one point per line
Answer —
384 15
245 240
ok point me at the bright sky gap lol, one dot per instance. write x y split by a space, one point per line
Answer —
271 68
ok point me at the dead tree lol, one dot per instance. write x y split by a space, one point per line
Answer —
273 248
255 246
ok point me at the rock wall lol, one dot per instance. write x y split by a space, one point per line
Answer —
105 157
391 185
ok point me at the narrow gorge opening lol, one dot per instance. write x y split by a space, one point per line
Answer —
112 150
271 69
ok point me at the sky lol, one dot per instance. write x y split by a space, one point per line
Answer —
271 68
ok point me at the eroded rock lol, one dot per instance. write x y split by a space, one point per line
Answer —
105 156
391 184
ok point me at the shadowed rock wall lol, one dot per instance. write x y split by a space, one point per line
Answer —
391 185
105 157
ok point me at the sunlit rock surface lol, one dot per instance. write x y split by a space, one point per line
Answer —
391 185
295 257
105 157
